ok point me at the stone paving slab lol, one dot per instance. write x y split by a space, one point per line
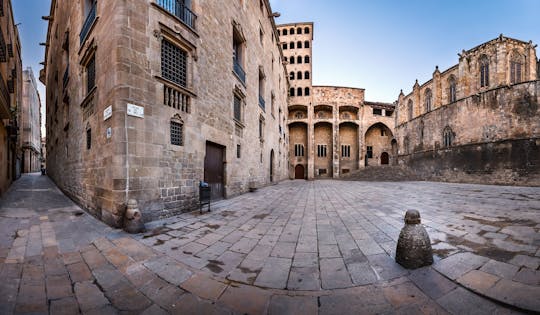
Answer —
326 248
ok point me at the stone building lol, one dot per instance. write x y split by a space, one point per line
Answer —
477 121
30 124
148 98
10 96
332 129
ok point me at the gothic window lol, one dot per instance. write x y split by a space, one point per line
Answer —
406 144
299 75
451 89
516 62
484 71
346 150
428 100
410 110
91 74
448 137
321 150
298 150
306 91
173 63
261 127
306 59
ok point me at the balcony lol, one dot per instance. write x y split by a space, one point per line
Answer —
176 98
262 104
90 18
239 71
179 10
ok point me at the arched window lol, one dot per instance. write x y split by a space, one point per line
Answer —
285 59
299 75
306 59
428 98
299 59
299 91
448 137
291 75
291 31
484 71
306 75
291 61
410 110
299 31
291 92
306 91
516 62
284 46
299 44
406 144
451 89
279 32
306 30
306 44
291 45
285 32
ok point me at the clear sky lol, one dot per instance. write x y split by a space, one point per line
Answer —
382 45
32 31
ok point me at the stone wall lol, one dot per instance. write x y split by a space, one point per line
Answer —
135 157
30 123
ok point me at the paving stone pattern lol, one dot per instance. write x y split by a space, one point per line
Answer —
298 247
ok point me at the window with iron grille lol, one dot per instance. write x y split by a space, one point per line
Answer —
238 151
321 150
173 63
177 133
91 74
345 150
88 139
298 150
369 152
237 108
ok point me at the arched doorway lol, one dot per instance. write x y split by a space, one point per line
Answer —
272 165
384 158
299 171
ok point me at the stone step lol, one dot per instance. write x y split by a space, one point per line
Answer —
382 173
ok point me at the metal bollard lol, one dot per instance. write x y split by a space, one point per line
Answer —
414 246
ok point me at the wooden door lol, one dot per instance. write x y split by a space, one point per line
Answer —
299 172
214 170
384 158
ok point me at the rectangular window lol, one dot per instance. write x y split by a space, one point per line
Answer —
177 133
389 113
298 150
91 74
321 150
345 150
238 55
237 108
515 72
261 90
369 152
173 63
261 128
377 111
238 151
88 139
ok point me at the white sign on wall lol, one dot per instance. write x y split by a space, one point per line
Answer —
134 110
107 113
109 133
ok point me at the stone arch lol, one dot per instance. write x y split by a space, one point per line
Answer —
298 144
323 149
377 139
348 149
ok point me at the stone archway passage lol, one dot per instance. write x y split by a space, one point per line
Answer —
384 158
299 171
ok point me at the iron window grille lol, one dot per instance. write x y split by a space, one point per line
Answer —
298 150
321 150
237 108
177 133
173 63
88 139
346 150
91 74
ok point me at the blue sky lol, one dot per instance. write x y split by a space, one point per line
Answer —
382 46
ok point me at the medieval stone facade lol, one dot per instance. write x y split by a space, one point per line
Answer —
30 124
10 97
148 98
477 121
332 129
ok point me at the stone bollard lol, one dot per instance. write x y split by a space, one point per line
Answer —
414 246
133 218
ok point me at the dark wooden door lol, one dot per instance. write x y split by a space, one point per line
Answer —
213 169
384 158
299 172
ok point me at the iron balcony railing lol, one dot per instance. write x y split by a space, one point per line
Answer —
261 102
180 10
239 71
90 18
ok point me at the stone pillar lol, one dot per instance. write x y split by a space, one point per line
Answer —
311 143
